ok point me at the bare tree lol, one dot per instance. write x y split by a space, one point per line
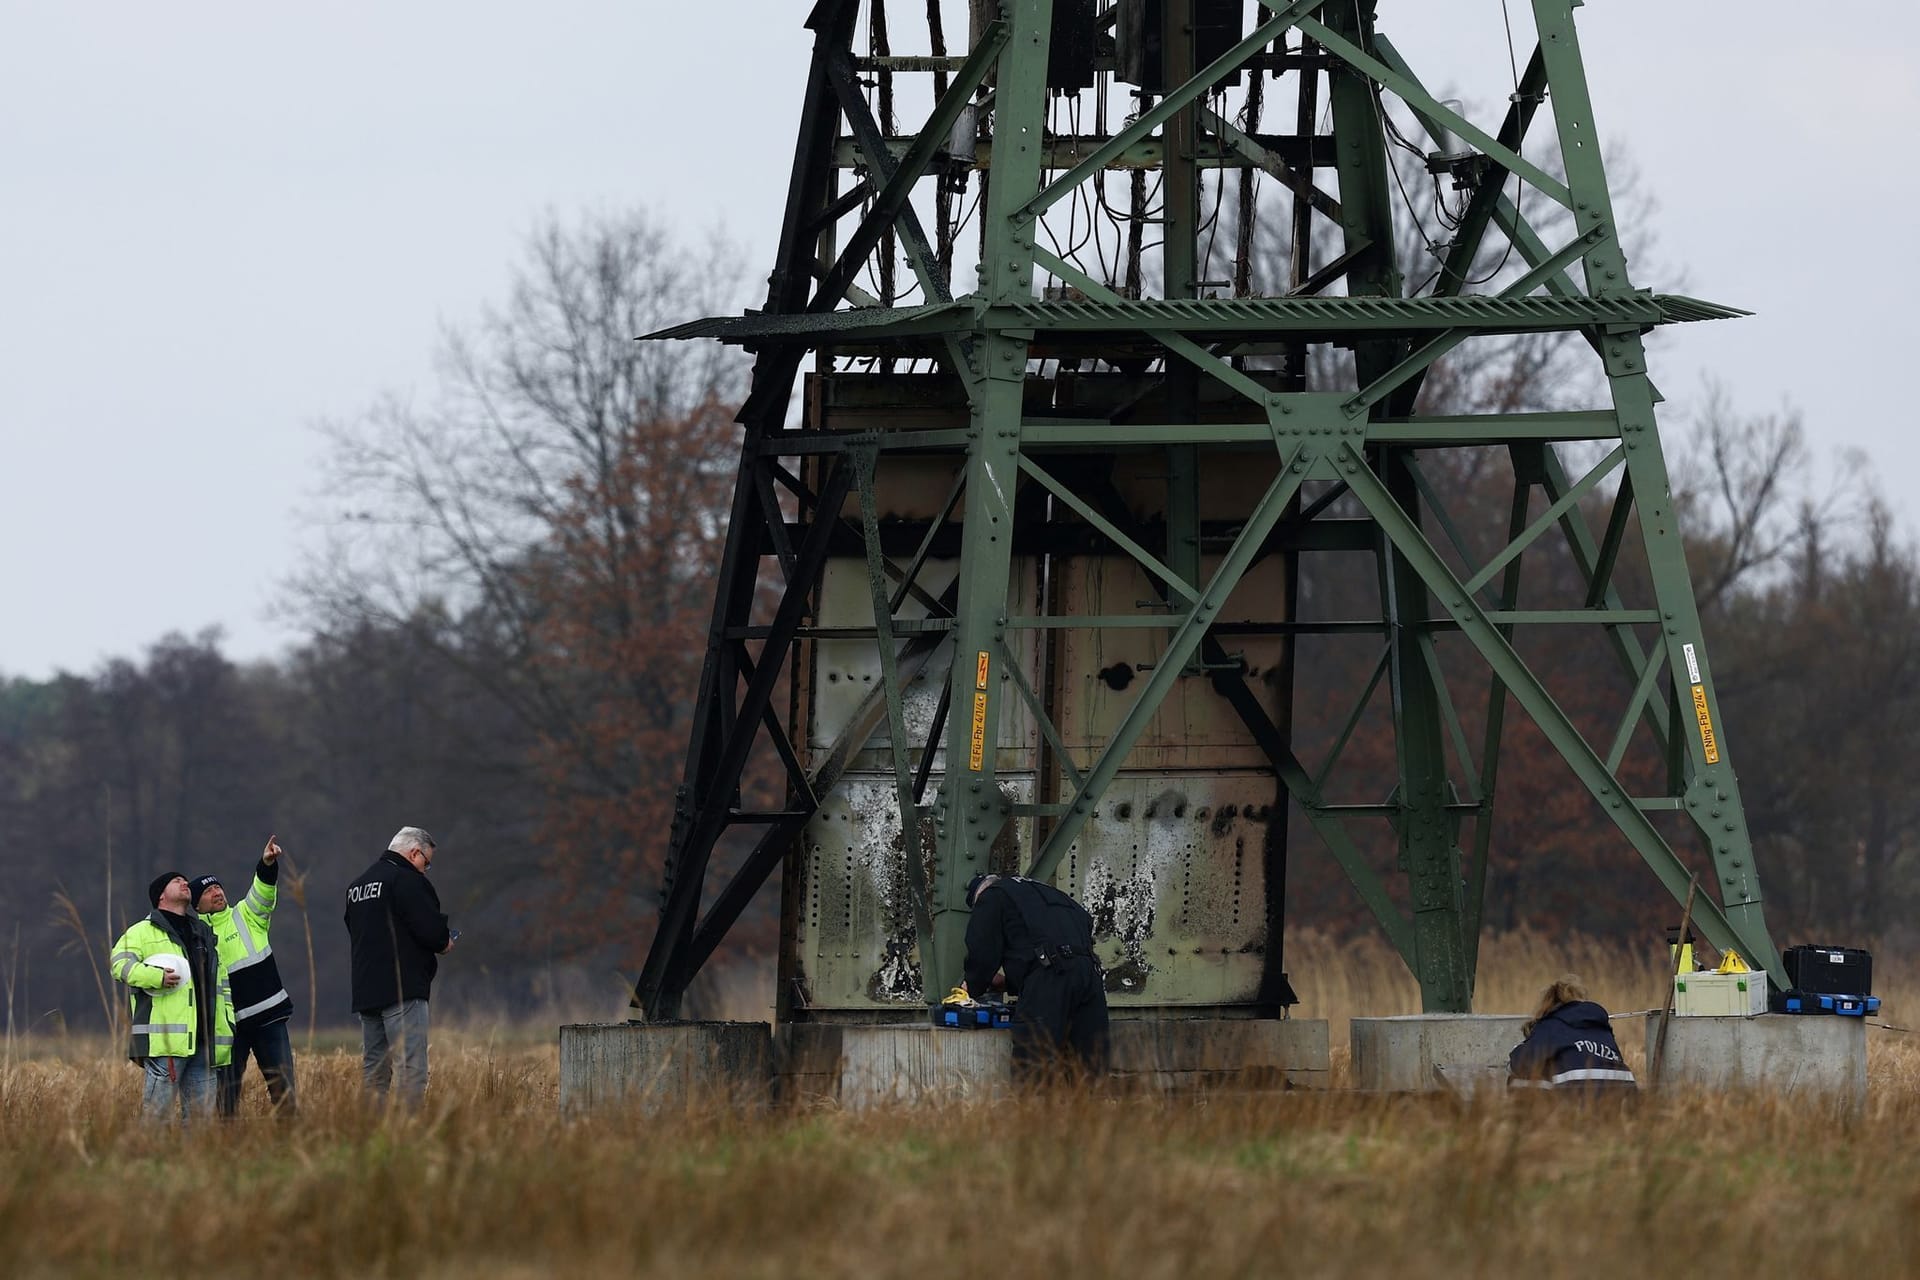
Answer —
445 517
546 524
1750 499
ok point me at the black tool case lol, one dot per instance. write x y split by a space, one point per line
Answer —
1832 970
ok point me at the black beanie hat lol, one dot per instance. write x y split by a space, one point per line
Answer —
159 885
973 888
200 886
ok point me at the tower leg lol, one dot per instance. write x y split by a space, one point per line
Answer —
1712 795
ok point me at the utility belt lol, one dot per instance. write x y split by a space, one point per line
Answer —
1055 954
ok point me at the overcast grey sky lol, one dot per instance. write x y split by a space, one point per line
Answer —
222 221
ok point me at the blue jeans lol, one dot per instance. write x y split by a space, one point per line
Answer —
271 1047
178 1089
393 1041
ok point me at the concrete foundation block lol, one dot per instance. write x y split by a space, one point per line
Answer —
862 1066
1182 1054
1787 1053
865 1066
1417 1052
660 1067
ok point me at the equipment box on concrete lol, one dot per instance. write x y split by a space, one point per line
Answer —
1843 971
1720 995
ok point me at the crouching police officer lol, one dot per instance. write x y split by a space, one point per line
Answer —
1043 941
1569 1046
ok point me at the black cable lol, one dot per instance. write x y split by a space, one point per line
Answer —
1520 188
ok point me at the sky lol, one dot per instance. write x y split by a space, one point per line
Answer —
222 223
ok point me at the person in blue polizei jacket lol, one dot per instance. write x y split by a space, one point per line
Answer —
1569 1045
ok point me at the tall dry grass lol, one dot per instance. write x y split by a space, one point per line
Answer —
487 1180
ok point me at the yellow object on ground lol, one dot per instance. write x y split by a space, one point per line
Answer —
1732 963
958 996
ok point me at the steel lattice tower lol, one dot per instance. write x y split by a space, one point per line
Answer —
987 494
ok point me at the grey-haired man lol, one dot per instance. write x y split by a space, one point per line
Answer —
399 933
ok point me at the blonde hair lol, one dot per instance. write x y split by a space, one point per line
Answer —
1562 990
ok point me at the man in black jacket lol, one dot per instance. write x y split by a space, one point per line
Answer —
1043 941
399 933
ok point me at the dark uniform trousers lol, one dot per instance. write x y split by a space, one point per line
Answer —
1060 1021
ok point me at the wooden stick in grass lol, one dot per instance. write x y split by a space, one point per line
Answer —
1666 1009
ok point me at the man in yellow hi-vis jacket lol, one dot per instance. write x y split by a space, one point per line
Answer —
182 1012
261 1005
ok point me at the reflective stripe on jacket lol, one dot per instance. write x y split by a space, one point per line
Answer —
1572 1046
166 1021
259 996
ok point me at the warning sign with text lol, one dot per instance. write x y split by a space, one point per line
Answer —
977 747
1700 713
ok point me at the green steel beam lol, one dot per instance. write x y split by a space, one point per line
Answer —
1438 509
1456 431
1093 622
1636 706
1494 732
897 188
1601 575
1085 511
861 244
971 809
1352 722
1237 319
1378 388
1627 649
1472 232
1574 617
1323 818
1428 855
1185 347
911 574
1548 518
1413 95
1456 731
1040 717
1533 697
1326 823
1063 152
1713 792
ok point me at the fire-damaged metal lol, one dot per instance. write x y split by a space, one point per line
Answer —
1034 449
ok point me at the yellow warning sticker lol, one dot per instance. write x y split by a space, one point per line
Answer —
980 669
977 749
1700 713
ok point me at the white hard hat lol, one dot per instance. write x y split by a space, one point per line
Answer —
173 964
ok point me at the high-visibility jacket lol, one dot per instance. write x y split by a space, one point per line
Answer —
259 997
167 1022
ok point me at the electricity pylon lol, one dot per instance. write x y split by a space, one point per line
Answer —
1032 546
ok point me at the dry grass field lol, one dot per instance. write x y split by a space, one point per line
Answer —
488 1181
